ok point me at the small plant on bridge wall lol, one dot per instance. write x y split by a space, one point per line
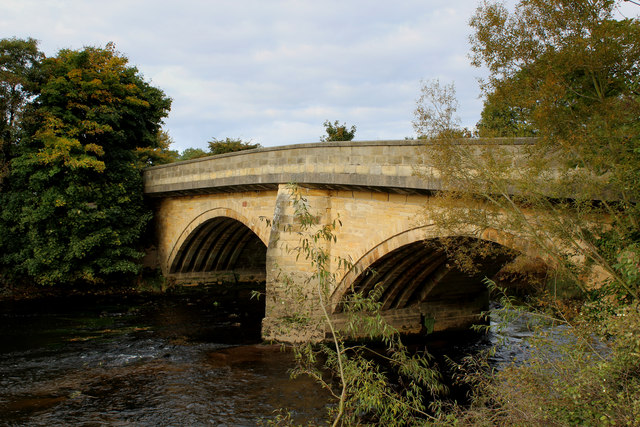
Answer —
387 386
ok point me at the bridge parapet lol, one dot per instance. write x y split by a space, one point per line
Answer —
369 165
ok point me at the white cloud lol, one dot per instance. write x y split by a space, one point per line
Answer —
271 71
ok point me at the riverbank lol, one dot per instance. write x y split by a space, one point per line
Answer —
30 292
146 285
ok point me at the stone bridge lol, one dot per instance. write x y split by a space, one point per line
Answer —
223 218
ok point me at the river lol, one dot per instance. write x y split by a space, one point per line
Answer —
193 358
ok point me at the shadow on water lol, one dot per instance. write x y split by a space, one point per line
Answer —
192 358
188 358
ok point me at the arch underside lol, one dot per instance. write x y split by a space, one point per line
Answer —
417 284
220 248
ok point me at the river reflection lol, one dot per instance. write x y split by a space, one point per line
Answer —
187 359
179 360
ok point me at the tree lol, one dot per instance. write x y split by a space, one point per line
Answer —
159 154
566 71
73 208
337 132
229 145
19 61
436 112
571 68
559 63
193 153
217 146
502 117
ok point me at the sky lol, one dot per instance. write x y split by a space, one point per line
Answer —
272 71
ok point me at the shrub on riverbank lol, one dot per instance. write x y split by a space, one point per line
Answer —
581 373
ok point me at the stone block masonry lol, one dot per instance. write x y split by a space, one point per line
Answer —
227 215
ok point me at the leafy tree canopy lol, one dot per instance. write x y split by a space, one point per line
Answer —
19 63
217 146
502 116
193 153
337 132
566 72
73 208
160 154
229 145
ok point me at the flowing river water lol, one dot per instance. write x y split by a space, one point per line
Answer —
193 358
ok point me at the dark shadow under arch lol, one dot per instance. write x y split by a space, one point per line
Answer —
420 277
220 244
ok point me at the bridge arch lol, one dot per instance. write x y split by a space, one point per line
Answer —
218 239
413 272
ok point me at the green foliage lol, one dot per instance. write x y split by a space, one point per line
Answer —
580 372
159 154
19 64
73 207
568 69
229 145
218 146
566 72
571 194
337 132
386 387
502 117
193 153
